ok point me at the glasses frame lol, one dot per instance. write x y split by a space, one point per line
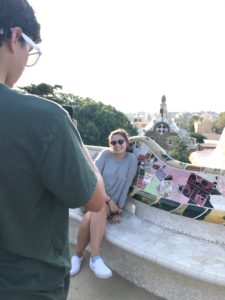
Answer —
34 46
120 142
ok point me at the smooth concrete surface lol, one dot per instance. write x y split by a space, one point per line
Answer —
87 286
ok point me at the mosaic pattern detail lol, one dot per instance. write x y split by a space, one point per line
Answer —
180 188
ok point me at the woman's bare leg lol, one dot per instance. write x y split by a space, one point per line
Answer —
98 222
83 237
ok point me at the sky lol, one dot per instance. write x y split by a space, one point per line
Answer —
129 53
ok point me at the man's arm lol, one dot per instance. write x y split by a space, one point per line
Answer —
68 172
99 196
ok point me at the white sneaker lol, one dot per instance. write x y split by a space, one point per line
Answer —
76 262
100 269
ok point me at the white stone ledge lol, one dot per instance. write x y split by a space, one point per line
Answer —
142 251
188 226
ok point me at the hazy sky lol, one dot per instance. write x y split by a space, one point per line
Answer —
128 53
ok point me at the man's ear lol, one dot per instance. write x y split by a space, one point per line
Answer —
14 39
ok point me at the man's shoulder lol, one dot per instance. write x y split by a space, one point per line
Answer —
40 107
32 113
40 103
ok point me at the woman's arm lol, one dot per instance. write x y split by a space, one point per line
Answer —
101 160
131 172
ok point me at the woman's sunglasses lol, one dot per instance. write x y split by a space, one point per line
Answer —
120 142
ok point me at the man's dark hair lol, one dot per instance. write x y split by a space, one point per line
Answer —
18 13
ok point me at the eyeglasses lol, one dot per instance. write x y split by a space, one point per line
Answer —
34 51
120 142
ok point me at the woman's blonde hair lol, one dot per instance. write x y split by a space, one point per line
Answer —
121 132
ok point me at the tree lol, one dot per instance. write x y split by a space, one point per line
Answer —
95 119
180 150
101 118
219 124
50 92
199 137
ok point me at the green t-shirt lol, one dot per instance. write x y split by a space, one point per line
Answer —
43 173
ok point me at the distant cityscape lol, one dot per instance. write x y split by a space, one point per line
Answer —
142 119
164 125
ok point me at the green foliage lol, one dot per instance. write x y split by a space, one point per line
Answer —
180 150
199 137
219 124
95 119
50 92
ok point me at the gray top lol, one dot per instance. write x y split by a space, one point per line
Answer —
117 174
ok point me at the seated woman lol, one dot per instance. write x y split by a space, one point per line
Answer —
118 168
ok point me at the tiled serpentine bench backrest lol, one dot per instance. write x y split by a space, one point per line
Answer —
183 189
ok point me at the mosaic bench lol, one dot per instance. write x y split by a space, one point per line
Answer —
168 254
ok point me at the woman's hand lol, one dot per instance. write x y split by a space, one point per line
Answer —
114 209
114 219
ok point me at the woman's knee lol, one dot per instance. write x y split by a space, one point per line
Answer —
100 215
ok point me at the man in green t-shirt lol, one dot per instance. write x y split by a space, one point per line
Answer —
44 170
